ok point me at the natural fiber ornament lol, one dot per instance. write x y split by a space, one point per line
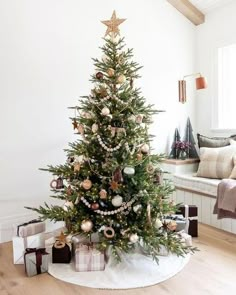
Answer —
87 184
112 25
75 124
121 79
105 111
114 185
76 167
86 225
110 72
109 232
133 238
59 244
103 194
150 168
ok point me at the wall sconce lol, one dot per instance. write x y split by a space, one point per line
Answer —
201 83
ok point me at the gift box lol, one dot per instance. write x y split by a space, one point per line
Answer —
30 228
88 258
80 238
61 253
190 212
181 222
20 244
185 238
36 261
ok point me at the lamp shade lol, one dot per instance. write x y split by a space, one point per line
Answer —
201 83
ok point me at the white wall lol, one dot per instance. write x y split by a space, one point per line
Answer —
218 30
45 65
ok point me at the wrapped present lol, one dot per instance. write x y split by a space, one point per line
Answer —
30 228
88 258
186 238
61 252
163 251
80 238
20 244
36 261
181 222
190 212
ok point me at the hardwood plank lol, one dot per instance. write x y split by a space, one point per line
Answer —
189 11
210 271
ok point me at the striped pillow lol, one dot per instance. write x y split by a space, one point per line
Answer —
216 162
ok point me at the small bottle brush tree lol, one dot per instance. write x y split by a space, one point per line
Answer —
109 183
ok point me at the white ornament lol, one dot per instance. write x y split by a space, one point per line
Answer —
94 128
105 111
133 238
129 170
86 225
121 79
145 148
158 224
137 207
117 201
68 205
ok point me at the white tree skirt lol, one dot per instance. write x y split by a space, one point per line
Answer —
135 270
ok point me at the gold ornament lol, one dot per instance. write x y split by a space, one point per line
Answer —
103 194
76 167
112 25
110 72
172 225
87 184
86 225
121 79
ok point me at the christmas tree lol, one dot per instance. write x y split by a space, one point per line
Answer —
188 137
108 183
174 154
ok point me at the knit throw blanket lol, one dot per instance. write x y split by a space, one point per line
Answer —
225 206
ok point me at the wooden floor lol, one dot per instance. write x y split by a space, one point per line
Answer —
210 271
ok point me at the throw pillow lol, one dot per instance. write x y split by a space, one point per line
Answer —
233 173
216 162
232 141
212 142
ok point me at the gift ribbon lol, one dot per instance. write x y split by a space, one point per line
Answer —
38 253
27 223
186 213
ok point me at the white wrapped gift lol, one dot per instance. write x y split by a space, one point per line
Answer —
185 238
20 244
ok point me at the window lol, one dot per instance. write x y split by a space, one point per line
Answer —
226 117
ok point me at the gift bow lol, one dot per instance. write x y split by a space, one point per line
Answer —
38 253
27 223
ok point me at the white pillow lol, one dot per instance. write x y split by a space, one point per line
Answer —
232 142
216 162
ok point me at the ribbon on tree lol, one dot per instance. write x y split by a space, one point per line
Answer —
38 253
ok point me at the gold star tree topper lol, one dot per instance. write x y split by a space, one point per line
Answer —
112 25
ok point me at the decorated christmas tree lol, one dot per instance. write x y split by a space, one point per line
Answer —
108 184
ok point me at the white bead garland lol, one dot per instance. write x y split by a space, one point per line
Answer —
121 209
128 148
106 147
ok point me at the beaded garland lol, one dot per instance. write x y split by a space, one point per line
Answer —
108 149
123 207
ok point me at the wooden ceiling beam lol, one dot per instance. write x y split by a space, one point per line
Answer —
189 11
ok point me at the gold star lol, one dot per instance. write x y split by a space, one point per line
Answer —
114 185
112 25
61 238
